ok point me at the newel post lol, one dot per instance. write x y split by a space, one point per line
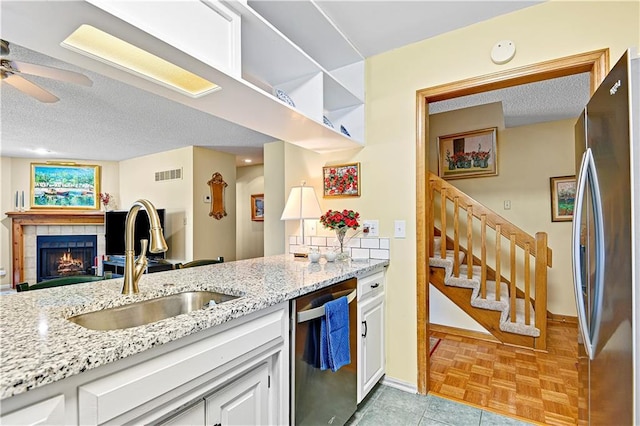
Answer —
541 288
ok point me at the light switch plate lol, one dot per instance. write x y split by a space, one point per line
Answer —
400 229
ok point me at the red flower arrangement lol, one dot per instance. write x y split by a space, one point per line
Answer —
105 197
344 219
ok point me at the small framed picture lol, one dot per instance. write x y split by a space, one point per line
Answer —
257 207
468 154
342 180
563 195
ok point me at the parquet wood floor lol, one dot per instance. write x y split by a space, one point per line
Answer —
537 386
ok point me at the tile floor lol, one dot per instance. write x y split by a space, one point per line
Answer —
389 406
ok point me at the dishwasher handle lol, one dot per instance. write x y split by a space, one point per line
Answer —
310 314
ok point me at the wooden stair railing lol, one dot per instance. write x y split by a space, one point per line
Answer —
452 202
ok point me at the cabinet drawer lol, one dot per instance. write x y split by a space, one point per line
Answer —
369 283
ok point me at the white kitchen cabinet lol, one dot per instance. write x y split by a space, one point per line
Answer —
242 402
262 51
48 412
192 415
240 365
371 325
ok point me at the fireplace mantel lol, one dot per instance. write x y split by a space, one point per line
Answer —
44 217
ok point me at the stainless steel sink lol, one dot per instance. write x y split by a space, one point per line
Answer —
149 311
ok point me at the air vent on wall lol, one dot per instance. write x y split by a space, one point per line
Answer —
169 174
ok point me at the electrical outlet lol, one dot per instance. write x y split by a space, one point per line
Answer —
206 198
370 228
507 204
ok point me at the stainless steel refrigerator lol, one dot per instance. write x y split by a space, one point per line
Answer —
605 256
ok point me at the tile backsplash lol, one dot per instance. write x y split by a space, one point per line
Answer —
358 248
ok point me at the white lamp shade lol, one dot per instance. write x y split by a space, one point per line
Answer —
301 204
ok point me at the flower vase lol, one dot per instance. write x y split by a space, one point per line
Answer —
340 234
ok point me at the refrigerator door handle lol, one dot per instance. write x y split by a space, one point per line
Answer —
588 173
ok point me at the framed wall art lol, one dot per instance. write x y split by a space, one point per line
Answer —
257 207
563 195
341 180
65 186
468 154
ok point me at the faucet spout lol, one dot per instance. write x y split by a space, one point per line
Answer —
133 269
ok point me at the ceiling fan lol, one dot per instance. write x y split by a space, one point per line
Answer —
11 71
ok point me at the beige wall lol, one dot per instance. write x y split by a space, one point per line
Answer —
190 232
137 179
16 176
213 237
249 234
542 32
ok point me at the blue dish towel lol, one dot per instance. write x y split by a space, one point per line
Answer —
334 335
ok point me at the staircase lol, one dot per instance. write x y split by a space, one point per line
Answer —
515 312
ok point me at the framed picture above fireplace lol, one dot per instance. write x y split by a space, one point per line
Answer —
65 186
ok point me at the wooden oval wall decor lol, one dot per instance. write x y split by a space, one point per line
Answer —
217 186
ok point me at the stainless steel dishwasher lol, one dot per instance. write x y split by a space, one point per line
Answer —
320 397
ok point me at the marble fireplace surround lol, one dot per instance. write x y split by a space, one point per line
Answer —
27 225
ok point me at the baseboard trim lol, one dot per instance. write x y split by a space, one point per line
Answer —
562 318
399 384
461 332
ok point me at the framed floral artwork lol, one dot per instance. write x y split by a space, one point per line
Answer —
468 154
257 207
563 195
65 186
341 180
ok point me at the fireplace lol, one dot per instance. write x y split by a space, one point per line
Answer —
65 255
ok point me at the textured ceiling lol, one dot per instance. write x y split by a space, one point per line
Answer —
115 121
548 100
109 120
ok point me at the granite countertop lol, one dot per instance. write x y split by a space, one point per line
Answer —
38 345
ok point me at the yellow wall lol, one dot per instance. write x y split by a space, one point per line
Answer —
249 234
542 32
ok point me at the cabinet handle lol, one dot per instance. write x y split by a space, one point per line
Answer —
364 324
376 285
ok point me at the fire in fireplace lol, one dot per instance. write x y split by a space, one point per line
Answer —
65 255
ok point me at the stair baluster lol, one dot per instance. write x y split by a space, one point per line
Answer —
512 268
469 242
456 237
483 255
498 256
480 283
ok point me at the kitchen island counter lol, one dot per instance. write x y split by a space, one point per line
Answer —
39 345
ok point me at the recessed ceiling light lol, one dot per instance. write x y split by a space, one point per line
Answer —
247 160
42 151
111 50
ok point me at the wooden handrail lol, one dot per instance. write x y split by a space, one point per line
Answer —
449 191
535 247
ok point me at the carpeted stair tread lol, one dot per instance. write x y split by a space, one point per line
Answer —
490 301
502 306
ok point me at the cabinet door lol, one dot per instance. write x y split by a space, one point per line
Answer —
372 361
193 415
48 412
242 402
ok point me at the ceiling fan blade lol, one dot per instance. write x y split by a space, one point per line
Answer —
49 72
30 88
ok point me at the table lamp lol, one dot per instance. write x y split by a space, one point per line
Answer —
302 204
